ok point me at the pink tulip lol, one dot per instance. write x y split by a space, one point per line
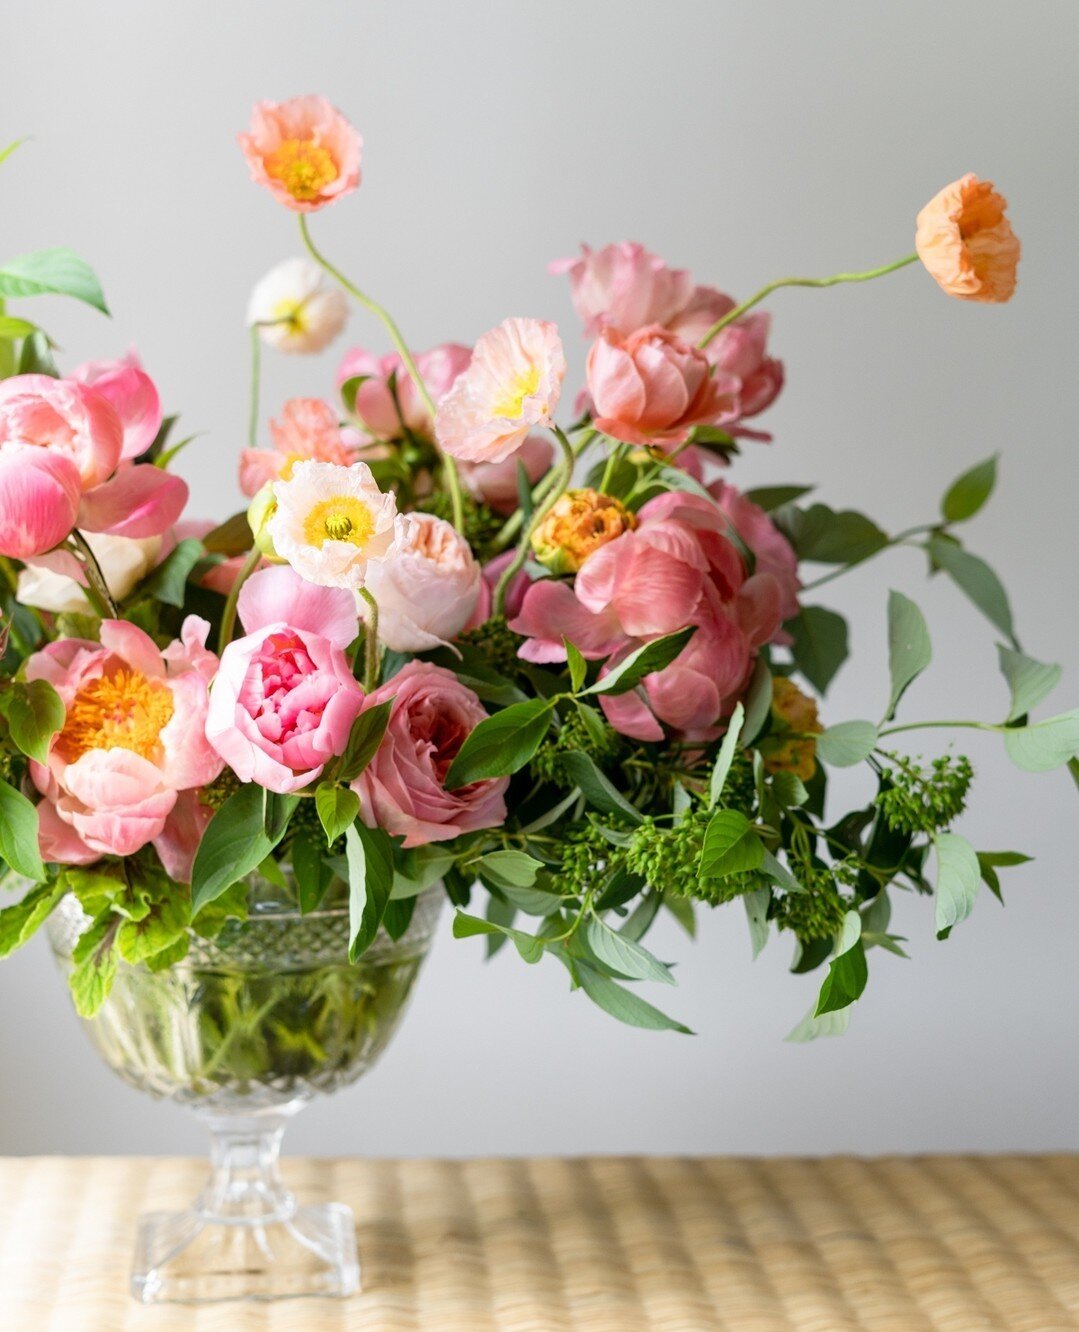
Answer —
303 151
375 409
403 788
653 388
624 288
133 395
132 739
308 429
285 698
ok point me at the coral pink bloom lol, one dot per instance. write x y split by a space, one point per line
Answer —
64 418
403 787
132 739
375 410
513 384
284 699
133 395
653 388
139 501
39 501
966 242
739 350
308 429
495 484
515 593
303 151
772 552
624 287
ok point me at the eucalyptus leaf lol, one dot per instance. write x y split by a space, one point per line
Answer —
958 875
1046 744
847 743
909 649
1029 681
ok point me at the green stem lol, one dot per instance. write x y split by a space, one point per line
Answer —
613 459
256 376
891 544
228 616
98 592
542 488
832 281
565 475
951 725
448 464
8 569
371 661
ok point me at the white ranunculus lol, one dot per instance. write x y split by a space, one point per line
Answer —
428 587
124 561
298 307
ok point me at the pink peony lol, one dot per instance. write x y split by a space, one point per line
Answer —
772 552
653 388
624 288
303 151
403 788
495 484
133 395
375 409
284 698
308 429
133 738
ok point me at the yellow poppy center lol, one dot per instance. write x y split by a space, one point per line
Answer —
121 709
341 519
291 313
522 386
304 167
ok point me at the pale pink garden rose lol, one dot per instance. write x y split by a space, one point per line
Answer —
512 385
653 388
375 411
331 522
495 484
307 429
133 395
624 288
403 788
284 699
133 739
303 151
297 307
429 590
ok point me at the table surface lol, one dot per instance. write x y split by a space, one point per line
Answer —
606 1244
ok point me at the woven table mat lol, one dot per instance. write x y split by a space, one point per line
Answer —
961 1244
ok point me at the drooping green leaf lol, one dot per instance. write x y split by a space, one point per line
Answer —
820 644
1046 744
313 875
349 389
847 972
156 931
966 495
730 845
514 869
168 582
624 955
756 904
811 1026
36 358
758 702
370 882
578 667
828 537
232 537
502 744
529 947
846 743
789 790
623 1004
20 921
958 874
779 873
59 271
34 713
1029 681
909 649
18 834
364 740
596 788
235 843
337 807
770 498
990 861
976 580
725 757
653 656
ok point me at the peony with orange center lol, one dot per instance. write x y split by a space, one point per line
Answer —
794 719
966 242
578 524
303 151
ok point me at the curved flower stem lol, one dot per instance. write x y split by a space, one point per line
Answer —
899 540
613 459
832 281
98 591
564 476
512 525
228 616
370 643
950 725
448 464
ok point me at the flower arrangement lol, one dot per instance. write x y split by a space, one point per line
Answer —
569 670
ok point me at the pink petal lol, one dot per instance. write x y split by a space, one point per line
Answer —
551 612
39 500
134 646
279 595
139 501
179 840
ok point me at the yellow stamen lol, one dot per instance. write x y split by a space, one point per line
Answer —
341 519
122 709
304 167
520 387
292 314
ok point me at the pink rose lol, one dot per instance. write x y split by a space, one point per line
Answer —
133 395
495 484
132 740
623 288
308 429
653 388
375 409
285 698
403 787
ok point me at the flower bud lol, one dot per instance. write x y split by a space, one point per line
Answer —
578 524
259 512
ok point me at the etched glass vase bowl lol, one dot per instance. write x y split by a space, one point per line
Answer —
245 1030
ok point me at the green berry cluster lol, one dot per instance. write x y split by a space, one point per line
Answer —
586 856
496 643
668 858
599 741
220 789
924 800
481 524
818 911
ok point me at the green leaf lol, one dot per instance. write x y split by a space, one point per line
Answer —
976 580
847 971
529 947
370 882
502 744
820 644
349 389
94 969
990 861
779 873
730 845
1029 680
909 650
958 875
789 790
596 788
623 1004
60 271
828 537
578 667
18 834
1046 744
232 537
168 582
5 153
811 1026
515 869
758 702
653 656
11 327
157 931
625 956
770 498
756 904
364 740
36 358
21 920
846 743
684 912
725 757
966 495
313 875
235 843
34 713
337 807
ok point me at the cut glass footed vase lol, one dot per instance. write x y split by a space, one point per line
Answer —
245 1030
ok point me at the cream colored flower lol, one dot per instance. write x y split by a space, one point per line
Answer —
297 307
125 562
330 522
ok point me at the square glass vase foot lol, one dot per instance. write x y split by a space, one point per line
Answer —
245 1237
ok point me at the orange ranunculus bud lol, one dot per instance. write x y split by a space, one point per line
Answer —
579 523
794 714
967 243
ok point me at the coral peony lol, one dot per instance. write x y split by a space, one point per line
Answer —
967 243
308 429
772 552
624 288
133 395
296 307
375 409
303 151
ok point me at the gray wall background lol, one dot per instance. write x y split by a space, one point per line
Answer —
743 140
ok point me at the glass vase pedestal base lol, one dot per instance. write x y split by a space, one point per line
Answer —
245 1237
